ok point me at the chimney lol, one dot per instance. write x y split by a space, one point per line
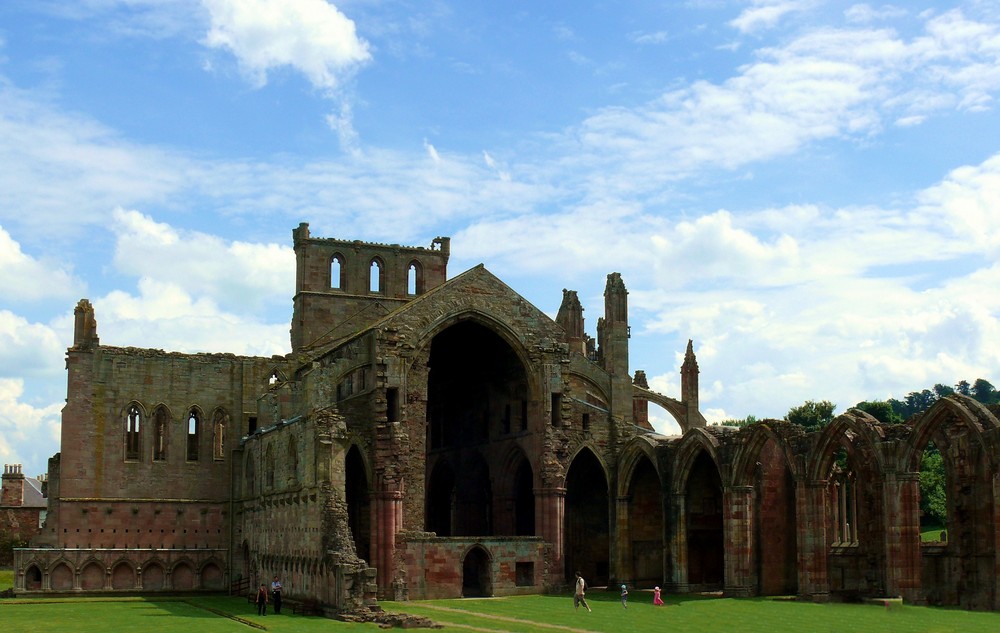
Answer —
13 486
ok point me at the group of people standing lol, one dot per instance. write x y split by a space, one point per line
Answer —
580 592
264 596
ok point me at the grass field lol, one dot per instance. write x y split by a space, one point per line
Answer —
6 578
527 614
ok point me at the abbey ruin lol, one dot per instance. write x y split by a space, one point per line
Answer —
437 437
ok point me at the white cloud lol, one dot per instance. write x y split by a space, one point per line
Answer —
969 200
28 279
765 14
865 13
239 275
165 315
30 349
824 84
311 36
656 37
29 434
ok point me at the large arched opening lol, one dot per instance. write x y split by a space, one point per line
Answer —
587 532
645 508
704 525
358 503
476 386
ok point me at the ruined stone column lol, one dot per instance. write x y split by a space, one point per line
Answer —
550 512
901 515
678 544
623 542
389 509
811 516
738 521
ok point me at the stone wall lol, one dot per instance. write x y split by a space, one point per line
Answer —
436 566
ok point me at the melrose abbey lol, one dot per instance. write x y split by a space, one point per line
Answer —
434 437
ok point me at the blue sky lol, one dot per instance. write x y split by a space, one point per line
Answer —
808 189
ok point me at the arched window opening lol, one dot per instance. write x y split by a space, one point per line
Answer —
376 277
933 496
193 435
843 489
269 467
160 419
293 461
219 434
414 280
133 419
338 273
273 379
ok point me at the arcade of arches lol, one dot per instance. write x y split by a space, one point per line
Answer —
437 437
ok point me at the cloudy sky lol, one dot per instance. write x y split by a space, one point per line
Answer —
808 189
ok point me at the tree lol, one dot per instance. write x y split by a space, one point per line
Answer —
919 401
812 415
933 498
881 410
747 421
983 391
963 387
942 391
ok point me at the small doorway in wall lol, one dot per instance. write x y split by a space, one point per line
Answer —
33 578
476 581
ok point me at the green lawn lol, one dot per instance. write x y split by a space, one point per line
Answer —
931 533
527 614
6 579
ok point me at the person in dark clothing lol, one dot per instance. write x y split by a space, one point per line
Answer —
276 595
262 600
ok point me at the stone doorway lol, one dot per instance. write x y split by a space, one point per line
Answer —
476 579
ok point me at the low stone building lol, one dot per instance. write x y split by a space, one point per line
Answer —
22 510
432 437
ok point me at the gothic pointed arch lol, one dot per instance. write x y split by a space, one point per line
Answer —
755 438
638 448
376 276
415 279
133 416
154 574
963 433
766 462
357 478
640 494
338 272
965 415
123 576
587 518
194 423
848 459
694 443
477 576
160 423
515 494
703 522
853 429
220 426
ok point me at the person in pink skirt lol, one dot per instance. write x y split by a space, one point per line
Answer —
656 596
